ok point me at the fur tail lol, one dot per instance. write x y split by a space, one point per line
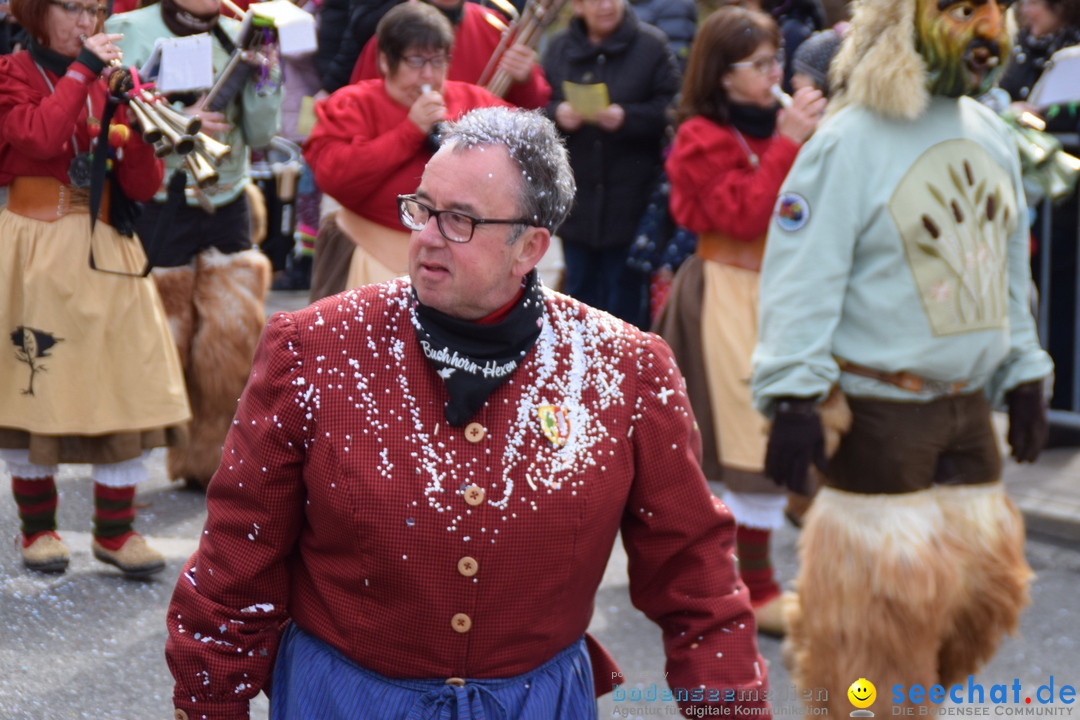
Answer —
229 300
872 580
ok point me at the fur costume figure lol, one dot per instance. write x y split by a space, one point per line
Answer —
897 269
215 306
927 583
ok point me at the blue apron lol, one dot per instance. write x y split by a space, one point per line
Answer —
313 681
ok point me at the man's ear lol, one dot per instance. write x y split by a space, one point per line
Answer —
384 64
531 246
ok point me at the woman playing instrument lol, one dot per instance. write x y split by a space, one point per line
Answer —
93 376
730 155
372 139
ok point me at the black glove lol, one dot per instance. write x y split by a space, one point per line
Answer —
1028 426
795 441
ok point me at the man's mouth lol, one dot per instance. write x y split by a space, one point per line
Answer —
432 267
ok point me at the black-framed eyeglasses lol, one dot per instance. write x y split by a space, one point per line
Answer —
455 226
74 9
416 62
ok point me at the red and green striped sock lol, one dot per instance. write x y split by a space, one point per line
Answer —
114 515
755 566
36 499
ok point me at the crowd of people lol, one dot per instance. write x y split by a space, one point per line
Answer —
853 302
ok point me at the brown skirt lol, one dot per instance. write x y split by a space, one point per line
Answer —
708 305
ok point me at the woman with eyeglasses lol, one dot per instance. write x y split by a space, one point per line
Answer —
372 139
88 370
730 155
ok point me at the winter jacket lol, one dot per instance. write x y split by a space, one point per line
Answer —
614 170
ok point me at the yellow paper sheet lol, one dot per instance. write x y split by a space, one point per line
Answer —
306 120
586 99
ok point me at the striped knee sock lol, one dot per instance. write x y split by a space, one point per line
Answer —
36 500
114 515
755 566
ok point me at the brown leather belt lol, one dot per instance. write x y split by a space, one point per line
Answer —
903 379
47 199
729 251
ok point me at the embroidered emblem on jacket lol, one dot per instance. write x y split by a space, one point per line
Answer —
555 422
792 211
32 345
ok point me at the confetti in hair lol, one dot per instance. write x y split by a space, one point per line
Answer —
534 145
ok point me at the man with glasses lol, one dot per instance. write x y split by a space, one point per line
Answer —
426 477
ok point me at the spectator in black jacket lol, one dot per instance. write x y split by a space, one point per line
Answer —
345 26
615 152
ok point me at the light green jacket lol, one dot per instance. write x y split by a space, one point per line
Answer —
900 246
254 115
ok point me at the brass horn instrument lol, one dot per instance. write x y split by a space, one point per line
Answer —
525 30
168 130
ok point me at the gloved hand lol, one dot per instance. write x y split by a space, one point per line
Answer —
795 441
1028 426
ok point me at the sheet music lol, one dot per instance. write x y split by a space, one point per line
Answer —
1060 81
586 99
180 64
295 28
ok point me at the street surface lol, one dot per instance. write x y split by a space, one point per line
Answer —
89 643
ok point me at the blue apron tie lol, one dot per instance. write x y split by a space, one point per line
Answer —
467 700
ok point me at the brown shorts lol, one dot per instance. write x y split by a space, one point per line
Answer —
898 447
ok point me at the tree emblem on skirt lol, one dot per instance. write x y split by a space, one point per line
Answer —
32 344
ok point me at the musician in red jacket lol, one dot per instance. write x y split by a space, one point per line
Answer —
426 477
371 140
476 37
88 371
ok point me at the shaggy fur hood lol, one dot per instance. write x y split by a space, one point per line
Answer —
878 66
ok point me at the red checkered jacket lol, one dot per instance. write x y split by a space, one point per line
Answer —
346 503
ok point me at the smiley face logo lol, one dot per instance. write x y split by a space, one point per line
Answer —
862 693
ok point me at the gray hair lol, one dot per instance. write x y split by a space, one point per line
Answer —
547 187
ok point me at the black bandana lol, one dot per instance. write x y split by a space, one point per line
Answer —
473 358
49 59
183 23
753 121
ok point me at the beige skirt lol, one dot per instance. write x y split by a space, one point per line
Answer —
380 253
728 335
90 352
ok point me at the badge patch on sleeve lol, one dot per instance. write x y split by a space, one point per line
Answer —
791 212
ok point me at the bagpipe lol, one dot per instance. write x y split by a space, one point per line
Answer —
167 129
264 26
